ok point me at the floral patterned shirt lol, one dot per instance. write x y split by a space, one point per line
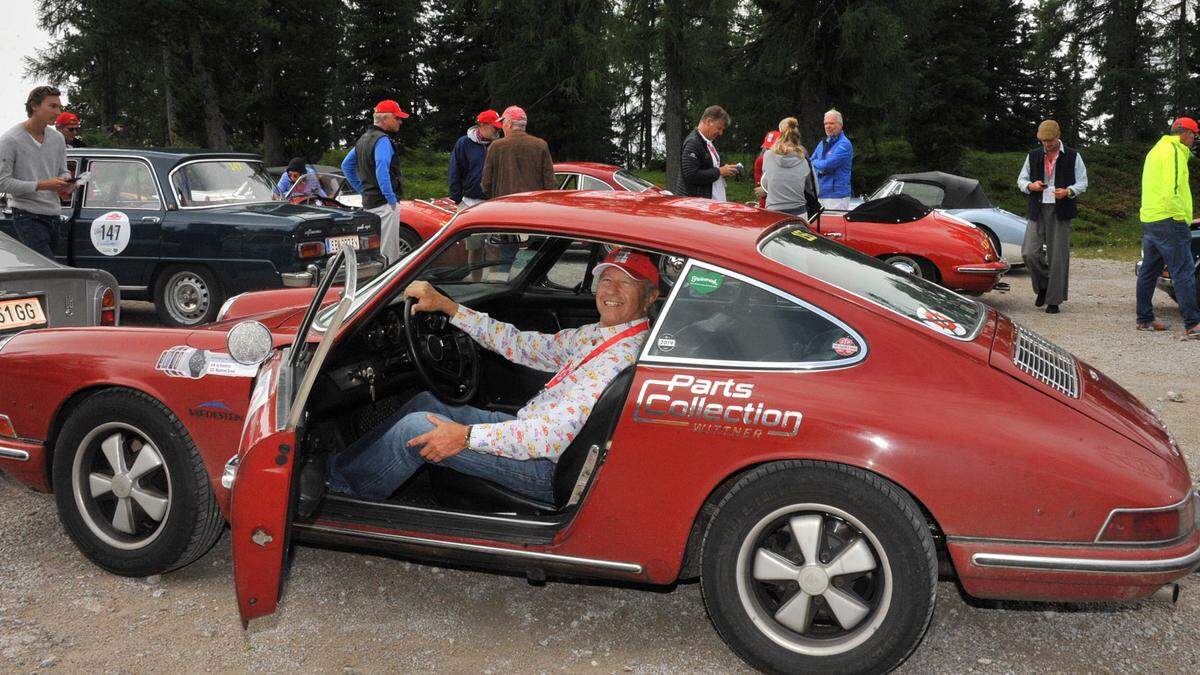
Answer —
552 419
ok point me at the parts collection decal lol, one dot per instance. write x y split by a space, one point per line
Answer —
722 407
193 364
940 322
110 233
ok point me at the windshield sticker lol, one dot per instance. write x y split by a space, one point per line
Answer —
665 342
845 346
806 236
720 407
110 233
193 364
235 166
703 282
940 322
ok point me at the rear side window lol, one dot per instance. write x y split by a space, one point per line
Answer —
929 195
589 183
121 184
716 316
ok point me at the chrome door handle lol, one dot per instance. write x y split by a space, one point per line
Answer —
151 220
834 235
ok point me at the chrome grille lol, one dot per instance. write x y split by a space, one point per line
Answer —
1046 361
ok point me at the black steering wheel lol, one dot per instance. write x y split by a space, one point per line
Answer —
446 358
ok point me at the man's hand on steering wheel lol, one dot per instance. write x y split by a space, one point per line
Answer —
429 299
446 439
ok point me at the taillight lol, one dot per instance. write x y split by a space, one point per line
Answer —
1150 525
108 308
6 428
369 241
310 249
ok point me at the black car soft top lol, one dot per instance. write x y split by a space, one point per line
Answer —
894 209
960 192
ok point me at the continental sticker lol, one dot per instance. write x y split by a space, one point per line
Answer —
940 322
720 407
703 282
193 364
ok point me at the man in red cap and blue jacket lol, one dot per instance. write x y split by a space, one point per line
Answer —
373 168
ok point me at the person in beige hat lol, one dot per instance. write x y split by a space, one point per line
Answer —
1053 176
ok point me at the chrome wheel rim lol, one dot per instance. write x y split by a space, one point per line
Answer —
814 579
187 297
905 265
122 486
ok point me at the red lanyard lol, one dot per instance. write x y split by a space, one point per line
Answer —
568 369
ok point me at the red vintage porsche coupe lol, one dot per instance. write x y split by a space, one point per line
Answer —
770 439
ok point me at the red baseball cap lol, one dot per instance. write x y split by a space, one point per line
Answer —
514 113
390 106
770 139
489 117
636 265
1186 123
67 119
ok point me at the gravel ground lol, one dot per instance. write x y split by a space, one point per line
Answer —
347 612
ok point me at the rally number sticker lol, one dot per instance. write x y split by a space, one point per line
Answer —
110 233
940 322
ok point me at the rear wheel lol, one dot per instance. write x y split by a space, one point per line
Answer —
187 296
814 567
131 489
918 267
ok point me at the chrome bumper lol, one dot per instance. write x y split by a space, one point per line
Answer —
1184 563
310 276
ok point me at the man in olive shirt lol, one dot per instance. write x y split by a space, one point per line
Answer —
33 170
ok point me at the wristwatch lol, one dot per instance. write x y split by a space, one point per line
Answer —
467 439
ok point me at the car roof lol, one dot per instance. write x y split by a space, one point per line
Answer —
586 167
163 158
722 232
960 192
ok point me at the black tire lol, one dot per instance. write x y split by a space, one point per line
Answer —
187 295
190 522
860 519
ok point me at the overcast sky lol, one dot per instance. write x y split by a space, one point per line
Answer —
22 37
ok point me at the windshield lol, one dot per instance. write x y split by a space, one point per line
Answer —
319 184
218 182
631 182
926 303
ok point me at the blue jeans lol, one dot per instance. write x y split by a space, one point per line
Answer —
374 466
35 231
1167 243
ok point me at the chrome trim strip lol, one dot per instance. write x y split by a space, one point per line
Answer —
344 258
134 288
429 202
750 365
13 453
91 159
631 568
979 270
1153 509
1056 564
406 507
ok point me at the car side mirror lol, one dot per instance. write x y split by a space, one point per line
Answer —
249 343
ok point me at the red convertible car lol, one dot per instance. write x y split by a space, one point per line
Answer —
810 432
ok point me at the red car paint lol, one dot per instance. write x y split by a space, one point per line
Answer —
1002 464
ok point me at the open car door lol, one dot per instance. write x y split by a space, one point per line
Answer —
263 475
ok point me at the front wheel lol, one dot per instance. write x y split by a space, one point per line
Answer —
815 567
131 489
187 296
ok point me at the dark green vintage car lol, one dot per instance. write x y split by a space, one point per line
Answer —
190 229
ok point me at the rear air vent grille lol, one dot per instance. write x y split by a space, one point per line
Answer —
1046 361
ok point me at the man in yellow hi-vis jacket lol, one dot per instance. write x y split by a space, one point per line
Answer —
1166 214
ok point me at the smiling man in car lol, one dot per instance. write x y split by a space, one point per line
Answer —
518 452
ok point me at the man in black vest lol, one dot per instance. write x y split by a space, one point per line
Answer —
1053 176
701 173
373 168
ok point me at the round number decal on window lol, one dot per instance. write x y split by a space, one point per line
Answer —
110 233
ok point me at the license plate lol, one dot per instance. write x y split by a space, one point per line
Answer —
21 313
335 244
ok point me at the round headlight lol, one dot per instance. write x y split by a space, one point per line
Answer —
249 343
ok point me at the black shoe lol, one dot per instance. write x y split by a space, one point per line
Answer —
1041 299
1052 309
312 485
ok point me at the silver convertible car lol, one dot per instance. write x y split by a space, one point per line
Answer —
964 199
36 292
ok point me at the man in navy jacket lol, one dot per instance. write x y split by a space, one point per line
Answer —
466 175
831 159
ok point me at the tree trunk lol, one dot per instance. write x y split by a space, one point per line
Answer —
646 119
1182 76
172 135
673 103
214 121
272 139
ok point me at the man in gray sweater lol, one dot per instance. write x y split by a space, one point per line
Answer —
33 170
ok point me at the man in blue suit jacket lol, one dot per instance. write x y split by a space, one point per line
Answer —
832 158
